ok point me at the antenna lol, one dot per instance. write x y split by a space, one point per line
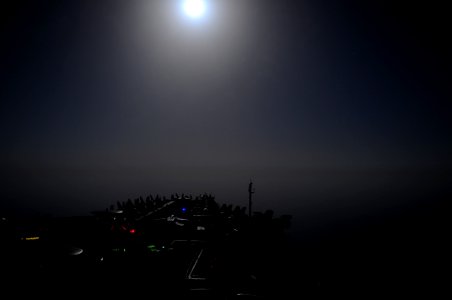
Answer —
250 193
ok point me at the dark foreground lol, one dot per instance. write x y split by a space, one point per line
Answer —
187 249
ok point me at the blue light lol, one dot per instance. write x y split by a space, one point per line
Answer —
184 209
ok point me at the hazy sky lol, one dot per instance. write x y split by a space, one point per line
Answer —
327 105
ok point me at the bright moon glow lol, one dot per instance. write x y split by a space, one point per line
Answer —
194 8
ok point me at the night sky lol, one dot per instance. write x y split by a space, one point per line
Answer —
336 110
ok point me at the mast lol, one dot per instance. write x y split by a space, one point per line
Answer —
250 193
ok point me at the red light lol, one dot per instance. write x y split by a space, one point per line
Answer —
132 231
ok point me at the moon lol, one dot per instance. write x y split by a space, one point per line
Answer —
194 9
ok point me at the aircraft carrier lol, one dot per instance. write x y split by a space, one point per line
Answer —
180 246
